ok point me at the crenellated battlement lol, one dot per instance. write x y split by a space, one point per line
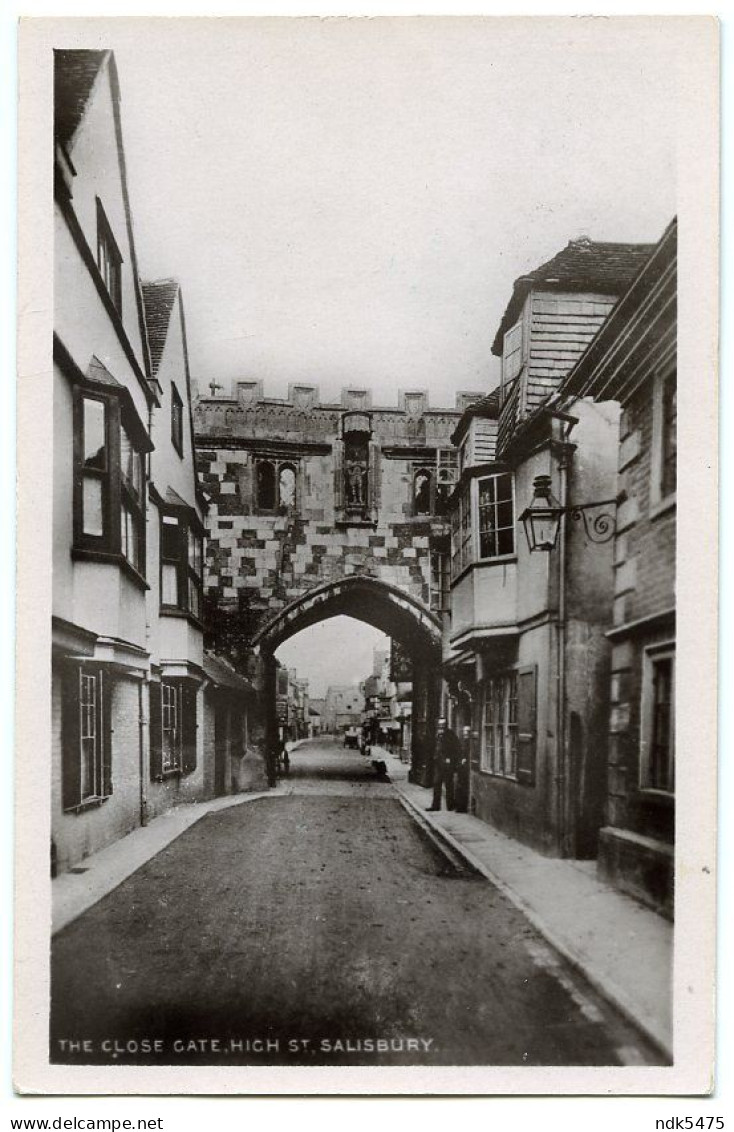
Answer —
303 418
303 396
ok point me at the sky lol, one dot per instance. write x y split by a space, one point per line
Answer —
337 651
349 201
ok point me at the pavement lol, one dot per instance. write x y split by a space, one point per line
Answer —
623 949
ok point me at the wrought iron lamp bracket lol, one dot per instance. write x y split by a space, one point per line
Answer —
598 528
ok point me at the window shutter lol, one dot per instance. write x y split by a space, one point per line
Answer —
70 737
338 454
373 478
156 733
106 691
526 725
188 711
512 353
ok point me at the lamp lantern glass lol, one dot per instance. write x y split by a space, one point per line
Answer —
542 519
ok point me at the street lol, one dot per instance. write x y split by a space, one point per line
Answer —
320 925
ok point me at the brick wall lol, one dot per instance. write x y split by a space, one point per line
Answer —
645 545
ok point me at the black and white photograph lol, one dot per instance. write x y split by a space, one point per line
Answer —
365 404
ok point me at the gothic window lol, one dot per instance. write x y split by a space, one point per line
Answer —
266 485
422 492
286 487
275 486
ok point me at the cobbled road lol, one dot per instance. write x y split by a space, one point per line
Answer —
320 925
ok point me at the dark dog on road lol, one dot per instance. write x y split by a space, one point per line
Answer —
379 767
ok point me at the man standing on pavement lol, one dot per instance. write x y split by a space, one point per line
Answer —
445 761
462 771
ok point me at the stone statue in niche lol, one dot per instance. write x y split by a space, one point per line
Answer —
356 476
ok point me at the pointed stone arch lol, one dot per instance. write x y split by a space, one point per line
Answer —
365 598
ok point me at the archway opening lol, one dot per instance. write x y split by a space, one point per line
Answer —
372 653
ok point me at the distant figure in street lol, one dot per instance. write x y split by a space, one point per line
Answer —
285 758
462 771
271 765
445 761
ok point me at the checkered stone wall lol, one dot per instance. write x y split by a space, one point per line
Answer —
258 561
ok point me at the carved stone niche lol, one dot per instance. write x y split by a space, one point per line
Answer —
356 470
303 397
414 402
249 392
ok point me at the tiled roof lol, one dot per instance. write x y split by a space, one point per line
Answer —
221 673
74 75
583 265
97 371
487 406
610 364
158 300
175 499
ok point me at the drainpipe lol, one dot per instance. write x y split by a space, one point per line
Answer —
144 686
562 800
143 725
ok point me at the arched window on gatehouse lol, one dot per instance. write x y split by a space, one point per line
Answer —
422 492
266 485
286 487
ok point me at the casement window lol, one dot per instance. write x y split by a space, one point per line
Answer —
86 736
275 486
173 726
657 722
109 479
181 557
177 425
440 594
499 726
132 514
482 521
664 439
496 516
508 743
461 532
109 259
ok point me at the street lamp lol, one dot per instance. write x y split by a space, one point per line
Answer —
542 519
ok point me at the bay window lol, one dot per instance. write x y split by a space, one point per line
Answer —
496 516
109 479
482 521
181 558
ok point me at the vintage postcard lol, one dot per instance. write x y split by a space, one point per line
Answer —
367 555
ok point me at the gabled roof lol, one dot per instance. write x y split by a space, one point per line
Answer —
74 75
487 406
158 300
583 265
640 329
